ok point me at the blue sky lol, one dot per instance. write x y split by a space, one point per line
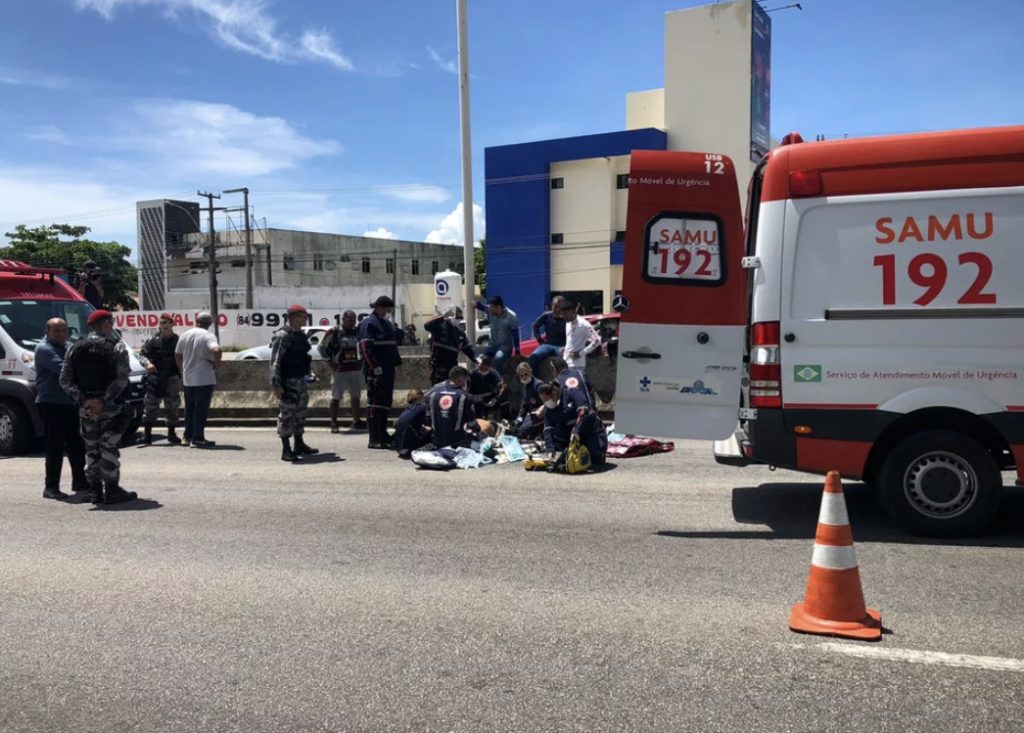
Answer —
342 116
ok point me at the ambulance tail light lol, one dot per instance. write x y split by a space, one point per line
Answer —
805 184
765 365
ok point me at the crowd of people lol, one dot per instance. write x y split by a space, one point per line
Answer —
82 388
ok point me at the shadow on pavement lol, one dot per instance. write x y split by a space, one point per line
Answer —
139 505
603 468
220 446
320 458
791 512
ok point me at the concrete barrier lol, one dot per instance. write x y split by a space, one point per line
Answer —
243 387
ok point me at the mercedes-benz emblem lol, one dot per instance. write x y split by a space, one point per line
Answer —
620 303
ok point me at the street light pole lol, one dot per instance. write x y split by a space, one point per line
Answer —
468 254
248 244
212 264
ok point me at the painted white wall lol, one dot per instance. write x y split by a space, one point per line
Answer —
645 109
707 82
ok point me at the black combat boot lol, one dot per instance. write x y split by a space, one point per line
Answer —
95 493
172 437
115 494
287 454
385 436
147 435
302 449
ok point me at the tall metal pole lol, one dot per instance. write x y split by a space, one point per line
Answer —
212 264
469 258
394 275
248 245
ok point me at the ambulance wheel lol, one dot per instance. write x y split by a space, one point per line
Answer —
15 429
940 482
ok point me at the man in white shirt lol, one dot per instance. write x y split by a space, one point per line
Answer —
198 355
580 337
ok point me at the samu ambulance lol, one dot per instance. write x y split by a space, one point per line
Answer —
29 297
868 317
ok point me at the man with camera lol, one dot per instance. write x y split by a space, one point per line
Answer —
90 283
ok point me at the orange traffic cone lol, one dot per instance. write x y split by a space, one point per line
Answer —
834 602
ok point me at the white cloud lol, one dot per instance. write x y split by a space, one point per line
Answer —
319 45
380 233
47 134
418 193
15 77
243 25
451 229
203 137
448 65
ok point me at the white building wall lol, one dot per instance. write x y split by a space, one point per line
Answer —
707 82
645 109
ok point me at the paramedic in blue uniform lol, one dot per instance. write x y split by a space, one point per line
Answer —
379 339
529 424
412 429
568 411
564 372
451 408
447 341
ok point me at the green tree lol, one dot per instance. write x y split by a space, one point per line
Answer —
480 266
62 246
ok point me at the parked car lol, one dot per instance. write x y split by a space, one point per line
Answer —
262 353
607 326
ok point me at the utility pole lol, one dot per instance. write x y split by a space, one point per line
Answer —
394 275
212 262
469 256
248 244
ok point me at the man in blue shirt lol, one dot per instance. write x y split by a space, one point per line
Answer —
549 330
59 414
504 333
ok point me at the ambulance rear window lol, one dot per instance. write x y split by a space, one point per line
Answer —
684 249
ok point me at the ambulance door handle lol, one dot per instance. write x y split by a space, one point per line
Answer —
640 355
702 338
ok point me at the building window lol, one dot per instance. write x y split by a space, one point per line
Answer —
434 268
390 265
451 265
557 183
289 262
318 263
620 236
557 238
366 264
344 258
415 267
622 180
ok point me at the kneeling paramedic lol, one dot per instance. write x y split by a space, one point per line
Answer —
290 370
95 376
412 429
451 409
568 412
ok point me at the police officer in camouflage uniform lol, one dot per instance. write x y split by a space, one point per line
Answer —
290 367
164 380
95 377
379 340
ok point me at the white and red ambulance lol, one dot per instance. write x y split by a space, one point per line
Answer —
867 318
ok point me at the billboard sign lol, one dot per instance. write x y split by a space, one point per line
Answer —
760 83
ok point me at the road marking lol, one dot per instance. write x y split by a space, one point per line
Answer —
992 664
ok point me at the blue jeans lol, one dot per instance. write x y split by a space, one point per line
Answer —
500 354
544 351
197 410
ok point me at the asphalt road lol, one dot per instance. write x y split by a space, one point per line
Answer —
358 594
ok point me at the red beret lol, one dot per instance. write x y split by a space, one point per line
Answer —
98 316
293 309
166 317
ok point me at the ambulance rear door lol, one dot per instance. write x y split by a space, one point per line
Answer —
683 300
